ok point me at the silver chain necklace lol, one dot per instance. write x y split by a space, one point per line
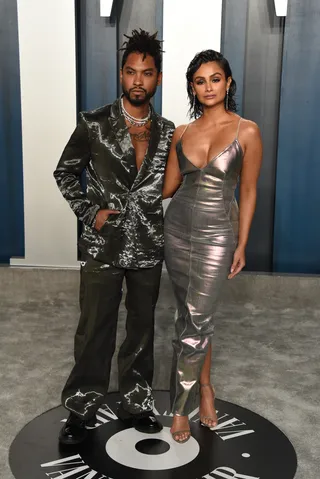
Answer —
135 121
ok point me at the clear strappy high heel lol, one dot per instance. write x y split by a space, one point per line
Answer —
212 419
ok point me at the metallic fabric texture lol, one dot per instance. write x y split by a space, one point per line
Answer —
95 339
201 233
101 145
128 247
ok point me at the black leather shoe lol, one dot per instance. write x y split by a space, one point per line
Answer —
147 423
73 432
125 416
92 421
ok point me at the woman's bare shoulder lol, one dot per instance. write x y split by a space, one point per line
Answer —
249 128
181 128
178 132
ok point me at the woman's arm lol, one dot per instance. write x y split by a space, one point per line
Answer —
172 177
248 191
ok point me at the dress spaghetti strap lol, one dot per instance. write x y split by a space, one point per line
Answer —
238 128
184 130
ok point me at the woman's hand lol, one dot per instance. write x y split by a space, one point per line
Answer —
239 261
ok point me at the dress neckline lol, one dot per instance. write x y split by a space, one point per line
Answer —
212 160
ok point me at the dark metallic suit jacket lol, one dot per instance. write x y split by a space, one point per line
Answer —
101 145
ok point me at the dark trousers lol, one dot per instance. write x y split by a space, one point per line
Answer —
95 340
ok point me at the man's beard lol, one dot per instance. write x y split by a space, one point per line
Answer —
130 96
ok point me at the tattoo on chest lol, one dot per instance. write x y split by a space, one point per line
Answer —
142 136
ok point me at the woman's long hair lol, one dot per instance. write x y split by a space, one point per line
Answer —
206 56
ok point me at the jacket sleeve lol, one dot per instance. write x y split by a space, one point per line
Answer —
73 161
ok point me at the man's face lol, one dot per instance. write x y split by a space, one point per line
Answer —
139 79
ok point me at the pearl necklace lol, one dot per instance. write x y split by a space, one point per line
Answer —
139 122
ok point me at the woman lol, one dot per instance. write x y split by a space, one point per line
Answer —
204 241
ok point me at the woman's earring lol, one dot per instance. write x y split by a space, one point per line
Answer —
227 100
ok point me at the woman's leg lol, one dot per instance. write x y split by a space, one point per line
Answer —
205 371
177 255
208 414
197 275
190 353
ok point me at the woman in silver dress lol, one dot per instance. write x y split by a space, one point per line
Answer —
205 233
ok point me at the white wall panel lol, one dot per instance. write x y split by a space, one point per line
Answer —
48 101
188 28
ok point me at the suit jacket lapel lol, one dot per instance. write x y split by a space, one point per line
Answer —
123 138
152 148
155 135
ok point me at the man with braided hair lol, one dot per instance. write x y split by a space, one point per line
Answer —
123 149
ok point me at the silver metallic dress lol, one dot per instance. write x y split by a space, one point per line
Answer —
201 234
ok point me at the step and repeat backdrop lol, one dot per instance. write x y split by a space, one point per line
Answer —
58 57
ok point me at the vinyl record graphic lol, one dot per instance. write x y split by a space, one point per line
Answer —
244 445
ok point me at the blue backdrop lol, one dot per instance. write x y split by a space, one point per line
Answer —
11 178
252 40
293 227
297 207
97 56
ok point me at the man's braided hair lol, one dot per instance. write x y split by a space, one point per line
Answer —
145 43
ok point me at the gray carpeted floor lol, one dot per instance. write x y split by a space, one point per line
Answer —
266 351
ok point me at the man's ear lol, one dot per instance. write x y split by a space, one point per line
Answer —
159 79
121 75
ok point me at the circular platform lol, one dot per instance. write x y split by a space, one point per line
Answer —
244 445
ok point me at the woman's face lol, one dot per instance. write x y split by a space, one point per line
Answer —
210 84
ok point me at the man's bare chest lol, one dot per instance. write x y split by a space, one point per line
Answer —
140 138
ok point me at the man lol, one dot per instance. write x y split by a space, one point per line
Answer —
123 149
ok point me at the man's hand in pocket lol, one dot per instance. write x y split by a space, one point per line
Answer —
102 217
